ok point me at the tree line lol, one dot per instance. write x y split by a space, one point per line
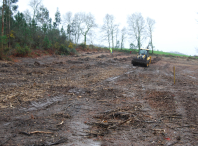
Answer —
24 30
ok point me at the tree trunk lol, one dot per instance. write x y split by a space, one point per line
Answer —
2 32
9 25
152 44
85 38
116 39
122 42
139 43
6 17
109 40
75 38
112 39
78 34
69 31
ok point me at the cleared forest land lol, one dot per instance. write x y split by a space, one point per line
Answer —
98 99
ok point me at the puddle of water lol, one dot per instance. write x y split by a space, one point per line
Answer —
79 127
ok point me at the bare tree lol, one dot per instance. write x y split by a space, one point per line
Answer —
109 29
136 27
150 26
116 35
67 21
91 36
123 36
35 4
77 21
113 29
88 22
105 29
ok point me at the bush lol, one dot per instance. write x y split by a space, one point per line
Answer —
6 50
57 46
70 45
22 51
73 51
99 48
46 43
132 46
91 46
63 50
8 58
83 45
4 40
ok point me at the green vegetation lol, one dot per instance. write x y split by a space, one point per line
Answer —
166 53
22 32
135 51
22 51
63 50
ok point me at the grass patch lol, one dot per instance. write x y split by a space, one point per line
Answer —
167 54
135 51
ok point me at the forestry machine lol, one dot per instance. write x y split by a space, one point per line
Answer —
142 58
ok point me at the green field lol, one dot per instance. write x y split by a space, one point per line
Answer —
135 51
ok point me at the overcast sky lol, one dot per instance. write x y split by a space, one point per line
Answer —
176 28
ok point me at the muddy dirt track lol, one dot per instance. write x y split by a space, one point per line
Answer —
98 99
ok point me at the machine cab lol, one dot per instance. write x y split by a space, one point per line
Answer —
144 52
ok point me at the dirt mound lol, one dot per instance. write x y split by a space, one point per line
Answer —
36 63
111 61
155 60
74 62
123 59
101 63
102 56
84 59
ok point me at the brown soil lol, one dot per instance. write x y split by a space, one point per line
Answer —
98 99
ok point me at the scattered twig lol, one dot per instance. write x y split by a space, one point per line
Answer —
151 121
128 120
61 123
34 132
159 131
24 133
